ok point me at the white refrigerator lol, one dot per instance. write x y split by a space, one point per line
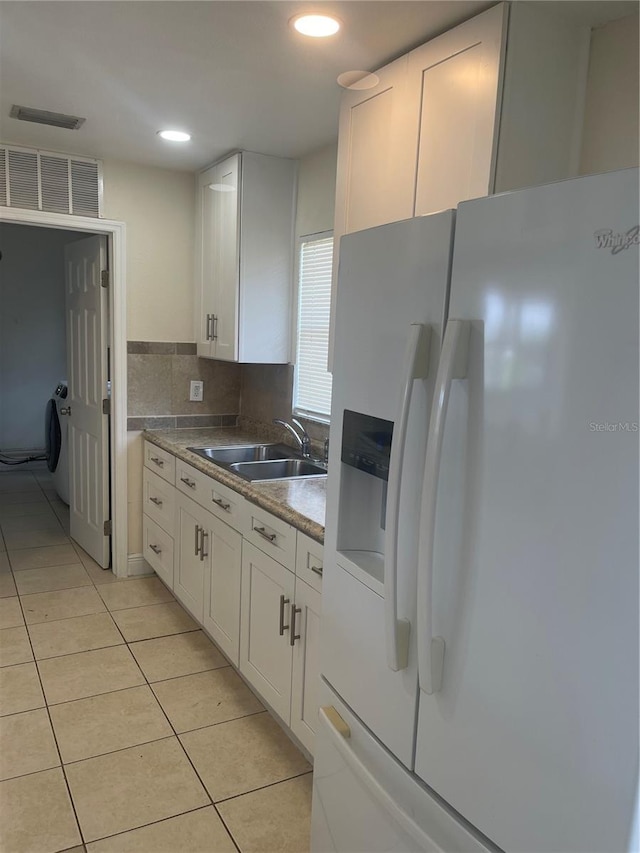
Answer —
479 637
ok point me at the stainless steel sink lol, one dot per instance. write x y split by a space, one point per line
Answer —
278 469
262 461
244 453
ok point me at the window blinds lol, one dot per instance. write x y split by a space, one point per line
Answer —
312 388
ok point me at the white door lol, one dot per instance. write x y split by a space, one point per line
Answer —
305 681
194 559
222 588
391 278
454 84
87 336
265 628
533 736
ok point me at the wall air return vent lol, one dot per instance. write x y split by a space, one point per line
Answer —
57 183
46 117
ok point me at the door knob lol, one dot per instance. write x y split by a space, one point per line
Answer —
65 410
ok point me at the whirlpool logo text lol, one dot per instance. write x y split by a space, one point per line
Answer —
607 238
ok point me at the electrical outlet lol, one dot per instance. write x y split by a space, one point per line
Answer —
196 390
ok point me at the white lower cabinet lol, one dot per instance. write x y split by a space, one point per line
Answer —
194 560
266 651
305 678
242 589
222 588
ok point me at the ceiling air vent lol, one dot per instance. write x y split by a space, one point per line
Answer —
46 117
57 183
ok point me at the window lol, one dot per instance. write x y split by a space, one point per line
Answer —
312 386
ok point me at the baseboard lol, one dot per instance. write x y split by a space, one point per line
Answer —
137 565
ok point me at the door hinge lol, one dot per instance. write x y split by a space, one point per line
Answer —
107 528
106 406
104 278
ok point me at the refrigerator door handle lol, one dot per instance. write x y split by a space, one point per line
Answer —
453 365
416 366
375 789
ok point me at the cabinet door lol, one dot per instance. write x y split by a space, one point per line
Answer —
204 263
222 588
225 194
454 89
306 664
265 649
193 556
376 157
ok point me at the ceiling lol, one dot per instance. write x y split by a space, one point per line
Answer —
232 72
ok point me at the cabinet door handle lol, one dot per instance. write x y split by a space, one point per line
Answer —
203 535
283 602
316 569
196 550
270 537
221 504
156 501
155 549
214 331
188 482
293 636
209 327
159 462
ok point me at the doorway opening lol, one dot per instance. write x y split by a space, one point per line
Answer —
83 343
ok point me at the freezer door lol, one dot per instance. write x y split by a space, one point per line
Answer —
533 735
392 280
364 801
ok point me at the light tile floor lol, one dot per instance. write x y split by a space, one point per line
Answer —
122 727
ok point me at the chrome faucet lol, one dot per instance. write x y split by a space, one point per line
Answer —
304 442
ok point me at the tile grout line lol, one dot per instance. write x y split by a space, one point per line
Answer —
148 684
55 739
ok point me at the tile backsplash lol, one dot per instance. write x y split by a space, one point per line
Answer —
158 375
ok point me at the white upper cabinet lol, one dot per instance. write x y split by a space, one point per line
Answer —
244 258
491 105
454 82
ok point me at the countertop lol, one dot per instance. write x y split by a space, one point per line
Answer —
300 503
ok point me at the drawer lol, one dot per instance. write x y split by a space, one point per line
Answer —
213 496
157 548
158 500
309 554
159 461
270 534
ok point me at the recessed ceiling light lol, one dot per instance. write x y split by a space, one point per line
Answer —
174 135
358 80
316 26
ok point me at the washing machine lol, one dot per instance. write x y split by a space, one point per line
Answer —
56 431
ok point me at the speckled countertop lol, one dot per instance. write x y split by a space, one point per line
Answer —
300 503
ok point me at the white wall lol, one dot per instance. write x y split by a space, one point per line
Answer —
610 139
158 206
33 357
316 191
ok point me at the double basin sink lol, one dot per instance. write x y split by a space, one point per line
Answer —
262 461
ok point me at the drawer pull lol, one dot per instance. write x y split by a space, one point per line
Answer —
156 501
196 550
270 537
158 461
293 636
226 507
155 549
283 602
188 482
316 569
203 535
